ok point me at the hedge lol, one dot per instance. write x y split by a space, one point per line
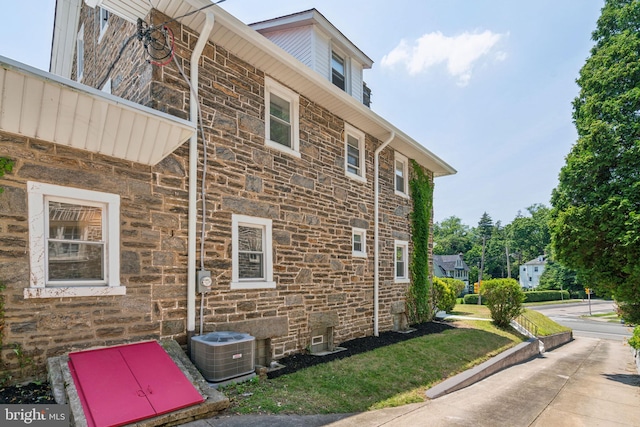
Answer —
537 296
471 299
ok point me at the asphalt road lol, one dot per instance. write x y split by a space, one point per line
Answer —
573 316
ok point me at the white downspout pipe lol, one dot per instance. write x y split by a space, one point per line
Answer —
376 231
193 175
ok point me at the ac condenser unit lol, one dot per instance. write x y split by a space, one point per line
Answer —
223 355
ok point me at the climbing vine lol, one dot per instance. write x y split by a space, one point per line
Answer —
418 297
6 165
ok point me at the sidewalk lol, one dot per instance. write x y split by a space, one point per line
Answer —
587 382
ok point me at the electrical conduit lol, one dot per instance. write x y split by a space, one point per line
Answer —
376 231
193 175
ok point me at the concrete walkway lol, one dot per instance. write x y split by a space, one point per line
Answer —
588 382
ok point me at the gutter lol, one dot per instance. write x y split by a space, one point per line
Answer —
376 231
193 175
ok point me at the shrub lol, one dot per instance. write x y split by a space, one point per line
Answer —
444 296
535 296
472 299
634 341
457 286
629 312
504 299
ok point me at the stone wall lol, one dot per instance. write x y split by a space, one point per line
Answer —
312 204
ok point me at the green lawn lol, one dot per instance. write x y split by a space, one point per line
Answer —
545 325
389 376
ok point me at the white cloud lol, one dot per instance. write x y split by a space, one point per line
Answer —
460 53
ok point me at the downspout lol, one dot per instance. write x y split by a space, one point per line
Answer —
376 231
193 175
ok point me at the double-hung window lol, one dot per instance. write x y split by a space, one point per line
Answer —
252 253
401 184
282 118
401 261
359 242
338 70
103 18
74 242
354 153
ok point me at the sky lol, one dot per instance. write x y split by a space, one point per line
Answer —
486 85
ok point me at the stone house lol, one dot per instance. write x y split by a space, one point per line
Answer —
127 218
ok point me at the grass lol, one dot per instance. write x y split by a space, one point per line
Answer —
472 310
389 376
566 301
611 317
545 325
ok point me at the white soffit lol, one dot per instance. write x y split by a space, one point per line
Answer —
40 105
130 10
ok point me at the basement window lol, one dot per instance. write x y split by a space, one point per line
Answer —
74 242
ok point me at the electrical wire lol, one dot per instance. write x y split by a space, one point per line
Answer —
117 58
171 46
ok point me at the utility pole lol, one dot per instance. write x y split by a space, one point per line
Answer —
506 247
484 239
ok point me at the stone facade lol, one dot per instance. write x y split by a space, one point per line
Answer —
313 206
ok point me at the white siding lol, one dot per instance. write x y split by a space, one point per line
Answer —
356 80
322 55
296 41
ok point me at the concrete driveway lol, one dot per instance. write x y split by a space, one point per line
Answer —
588 382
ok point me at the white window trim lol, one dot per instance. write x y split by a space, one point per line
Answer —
359 135
362 232
404 244
36 193
103 24
236 282
271 86
405 161
80 54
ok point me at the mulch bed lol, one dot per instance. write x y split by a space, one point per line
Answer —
356 346
40 393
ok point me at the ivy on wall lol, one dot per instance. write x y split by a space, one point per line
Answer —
418 297
6 165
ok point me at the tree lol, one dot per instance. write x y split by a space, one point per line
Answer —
558 277
595 219
451 237
529 235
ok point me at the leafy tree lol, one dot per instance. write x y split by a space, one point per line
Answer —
595 219
504 299
529 235
451 237
556 276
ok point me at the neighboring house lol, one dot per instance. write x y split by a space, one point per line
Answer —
118 225
531 271
451 266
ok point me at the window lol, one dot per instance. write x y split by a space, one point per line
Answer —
103 17
535 269
282 106
338 74
80 53
401 251
252 262
74 242
359 242
401 176
354 153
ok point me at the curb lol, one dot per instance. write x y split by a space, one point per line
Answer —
520 353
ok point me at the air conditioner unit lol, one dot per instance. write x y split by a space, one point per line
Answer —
223 355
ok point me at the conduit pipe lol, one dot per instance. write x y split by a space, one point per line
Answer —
193 175
376 231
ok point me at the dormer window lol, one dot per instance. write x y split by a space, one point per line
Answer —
338 75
